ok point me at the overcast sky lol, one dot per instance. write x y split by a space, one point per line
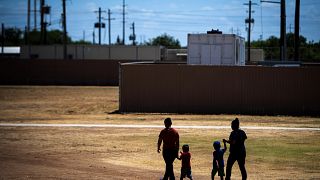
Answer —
174 17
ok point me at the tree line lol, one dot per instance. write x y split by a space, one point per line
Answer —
309 50
15 37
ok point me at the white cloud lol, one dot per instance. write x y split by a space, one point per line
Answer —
207 8
173 6
150 24
118 7
91 6
270 5
143 12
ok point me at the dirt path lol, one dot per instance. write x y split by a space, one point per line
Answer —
153 126
49 132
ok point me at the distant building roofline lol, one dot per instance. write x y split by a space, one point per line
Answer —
10 50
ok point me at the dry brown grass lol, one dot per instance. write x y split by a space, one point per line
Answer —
56 104
113 153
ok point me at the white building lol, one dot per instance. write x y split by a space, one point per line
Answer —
216 49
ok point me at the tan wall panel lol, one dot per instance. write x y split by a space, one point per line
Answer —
148 53
96 52
44 52
58 53
90 52
24 52
123 52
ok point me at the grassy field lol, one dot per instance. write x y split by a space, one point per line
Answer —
121 153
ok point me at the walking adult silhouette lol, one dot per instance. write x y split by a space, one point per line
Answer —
170 138
237 149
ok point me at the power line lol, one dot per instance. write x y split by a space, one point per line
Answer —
182 12
249 21
133 35
261 37
35 14
283 43
296 31
28 19
109 25
124 22
99 25
166 29
64 19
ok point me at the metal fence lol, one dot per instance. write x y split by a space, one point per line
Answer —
62 72
172 88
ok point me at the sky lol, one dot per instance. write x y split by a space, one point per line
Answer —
174 17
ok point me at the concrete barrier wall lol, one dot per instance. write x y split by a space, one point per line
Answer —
62 72
90 52
181 88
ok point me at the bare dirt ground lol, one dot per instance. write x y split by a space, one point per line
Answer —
126 153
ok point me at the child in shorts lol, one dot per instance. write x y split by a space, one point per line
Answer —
185 158
218 162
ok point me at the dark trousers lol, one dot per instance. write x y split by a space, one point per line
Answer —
241 158
185 172
169 155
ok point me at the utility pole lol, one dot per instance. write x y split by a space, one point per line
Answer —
93 38
133 35
64 19
42 20
123 22
109 25
2 38
249 32
45 32
283 41
45 10
35 15
26 35
249 21
296 31
290 28
28 22
99 25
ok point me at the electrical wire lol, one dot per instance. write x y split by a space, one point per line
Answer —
261 22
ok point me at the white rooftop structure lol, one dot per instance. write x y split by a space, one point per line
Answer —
216 49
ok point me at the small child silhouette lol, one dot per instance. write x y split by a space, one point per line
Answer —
185 158
218 162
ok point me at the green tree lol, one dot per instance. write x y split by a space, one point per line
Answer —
81 42
118 41
13 36
272 41
56 37
271 48
290 40
53 37
166 41
303 44
309 51
34 37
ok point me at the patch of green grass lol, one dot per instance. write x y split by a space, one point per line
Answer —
297 151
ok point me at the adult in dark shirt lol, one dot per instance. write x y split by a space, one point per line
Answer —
237 149
170 148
